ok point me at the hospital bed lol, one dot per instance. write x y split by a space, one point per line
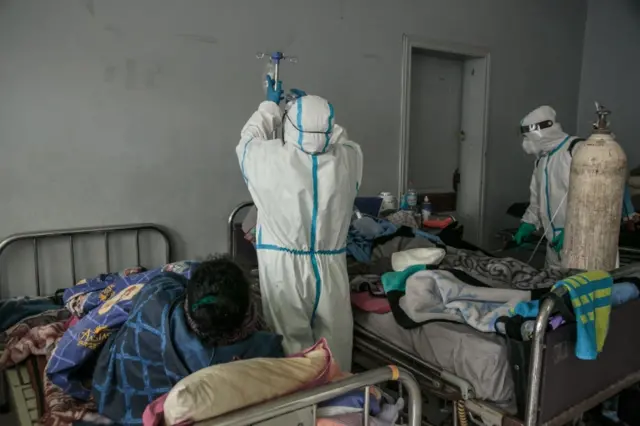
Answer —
480 373
24 391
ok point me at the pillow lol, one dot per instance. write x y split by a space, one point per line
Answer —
419 256
222 388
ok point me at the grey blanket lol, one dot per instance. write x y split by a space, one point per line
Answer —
434 295
504 272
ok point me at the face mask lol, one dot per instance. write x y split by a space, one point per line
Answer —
530 147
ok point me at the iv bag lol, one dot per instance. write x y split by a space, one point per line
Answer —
269 70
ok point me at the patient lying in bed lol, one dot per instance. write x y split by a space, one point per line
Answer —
177 326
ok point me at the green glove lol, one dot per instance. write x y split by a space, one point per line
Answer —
524 231
558 241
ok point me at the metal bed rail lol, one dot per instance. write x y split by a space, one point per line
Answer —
429 376
71 234
536 375
278 409
231 223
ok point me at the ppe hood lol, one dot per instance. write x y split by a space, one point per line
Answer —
309 124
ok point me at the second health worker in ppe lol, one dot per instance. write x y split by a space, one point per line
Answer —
304 187
544 138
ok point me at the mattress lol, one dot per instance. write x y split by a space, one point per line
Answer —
479 358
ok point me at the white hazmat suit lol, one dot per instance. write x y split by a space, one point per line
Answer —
544 137
304 189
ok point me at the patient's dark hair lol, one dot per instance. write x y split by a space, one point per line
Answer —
217 297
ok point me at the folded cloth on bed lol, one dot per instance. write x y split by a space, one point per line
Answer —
155 349
591 299
40 340
419 256
359 244
403 218
368 303
85 339
383 248
351 402
25 324
16 309
624 292
591 296
435 295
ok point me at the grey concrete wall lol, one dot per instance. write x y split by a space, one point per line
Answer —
610 70
129 110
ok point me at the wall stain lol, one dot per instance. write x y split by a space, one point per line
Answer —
113 29
199 38
91 8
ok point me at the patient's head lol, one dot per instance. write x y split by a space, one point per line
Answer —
218 299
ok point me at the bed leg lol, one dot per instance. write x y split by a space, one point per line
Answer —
535 369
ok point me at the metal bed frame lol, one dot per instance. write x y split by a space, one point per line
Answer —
300 408
15 383
301 405
544 362
105 231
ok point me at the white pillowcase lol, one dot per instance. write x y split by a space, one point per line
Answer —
419 256
222 388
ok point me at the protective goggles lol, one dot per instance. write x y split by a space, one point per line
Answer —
536 127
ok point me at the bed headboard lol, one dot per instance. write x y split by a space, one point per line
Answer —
36 238
232 238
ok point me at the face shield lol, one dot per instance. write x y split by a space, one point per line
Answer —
535 131
540 131
533 135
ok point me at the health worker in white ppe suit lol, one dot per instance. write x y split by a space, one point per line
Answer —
544 138
304 187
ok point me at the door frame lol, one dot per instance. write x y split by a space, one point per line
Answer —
409 43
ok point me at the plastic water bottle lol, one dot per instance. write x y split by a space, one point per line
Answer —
412 200
426 209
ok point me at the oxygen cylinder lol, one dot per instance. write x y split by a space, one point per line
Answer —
594 207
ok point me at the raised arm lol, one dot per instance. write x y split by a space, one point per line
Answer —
260 128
